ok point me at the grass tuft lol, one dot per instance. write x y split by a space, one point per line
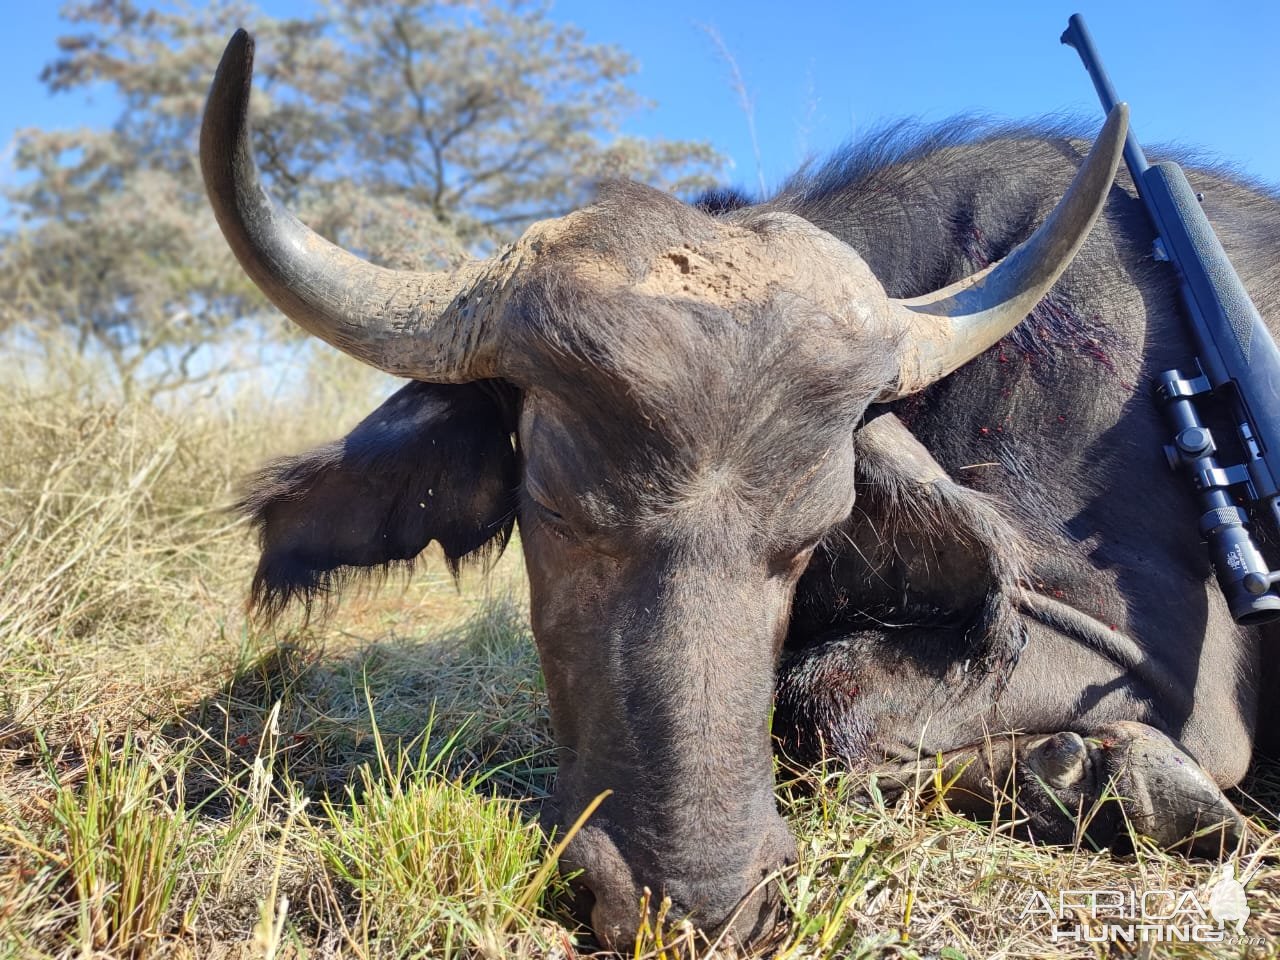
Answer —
429 859
108 850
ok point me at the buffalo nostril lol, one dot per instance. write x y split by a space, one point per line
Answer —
608 929
581 902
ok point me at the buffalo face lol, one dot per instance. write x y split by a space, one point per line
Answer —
677 474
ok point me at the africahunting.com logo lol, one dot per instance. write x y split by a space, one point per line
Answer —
1211 914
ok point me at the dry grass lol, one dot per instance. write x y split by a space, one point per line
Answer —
174 782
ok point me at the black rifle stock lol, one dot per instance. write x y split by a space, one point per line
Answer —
1237 362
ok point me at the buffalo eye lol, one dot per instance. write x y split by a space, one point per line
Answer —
552 519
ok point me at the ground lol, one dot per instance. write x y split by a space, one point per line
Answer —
177 781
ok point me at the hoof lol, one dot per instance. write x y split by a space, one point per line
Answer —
1166 794
1125 775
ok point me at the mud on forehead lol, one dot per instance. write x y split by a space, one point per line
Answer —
679 312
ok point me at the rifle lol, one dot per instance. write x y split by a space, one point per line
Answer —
1236 363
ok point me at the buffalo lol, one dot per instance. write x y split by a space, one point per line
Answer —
877 457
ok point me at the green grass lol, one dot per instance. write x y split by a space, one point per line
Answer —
176 782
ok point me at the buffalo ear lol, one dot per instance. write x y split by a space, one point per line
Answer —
434 462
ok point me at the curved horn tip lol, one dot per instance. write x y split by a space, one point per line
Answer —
226 109
1120 112
1115 131
235 68
237 57
951 326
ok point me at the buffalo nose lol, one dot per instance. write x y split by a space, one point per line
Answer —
743 904
750 921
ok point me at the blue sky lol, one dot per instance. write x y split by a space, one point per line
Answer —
822 73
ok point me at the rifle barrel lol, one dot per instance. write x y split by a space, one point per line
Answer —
1077 35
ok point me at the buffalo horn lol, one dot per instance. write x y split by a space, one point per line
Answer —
949 327
430 326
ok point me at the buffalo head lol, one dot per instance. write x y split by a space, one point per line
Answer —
688 389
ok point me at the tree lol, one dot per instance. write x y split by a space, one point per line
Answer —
412 131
